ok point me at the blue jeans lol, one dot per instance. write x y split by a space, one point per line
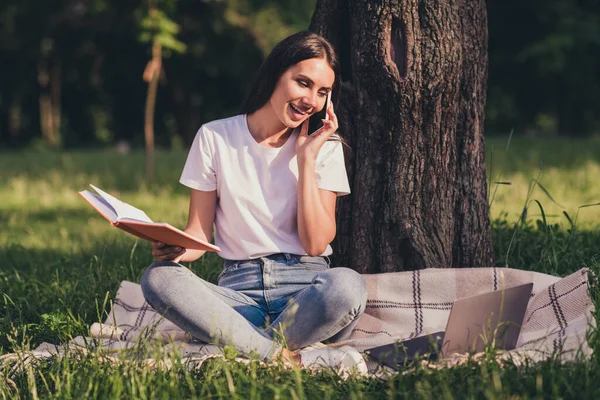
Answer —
260 302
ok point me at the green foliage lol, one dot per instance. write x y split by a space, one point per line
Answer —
101 48
158 28
542 73
269 21
543 69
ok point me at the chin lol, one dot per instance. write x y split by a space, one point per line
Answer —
292 124
295 124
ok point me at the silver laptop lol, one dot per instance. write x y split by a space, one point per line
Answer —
474 322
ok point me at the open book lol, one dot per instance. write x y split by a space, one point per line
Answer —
136 222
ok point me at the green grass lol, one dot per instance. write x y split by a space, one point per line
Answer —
566 169
60 263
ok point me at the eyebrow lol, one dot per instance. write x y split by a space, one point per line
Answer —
311 81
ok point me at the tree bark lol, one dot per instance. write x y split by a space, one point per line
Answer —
412 109
49 99
151 75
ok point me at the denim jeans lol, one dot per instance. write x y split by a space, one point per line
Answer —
260 302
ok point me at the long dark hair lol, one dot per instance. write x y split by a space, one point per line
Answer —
290 51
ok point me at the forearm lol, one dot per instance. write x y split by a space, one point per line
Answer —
190 254
316 226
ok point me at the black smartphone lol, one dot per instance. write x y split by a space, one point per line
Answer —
315 122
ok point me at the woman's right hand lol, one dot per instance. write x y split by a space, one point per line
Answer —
309 146
165 252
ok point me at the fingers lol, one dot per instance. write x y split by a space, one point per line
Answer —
333 120
333 116
304 128
165 252
170 256
330 125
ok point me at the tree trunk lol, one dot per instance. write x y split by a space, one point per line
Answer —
55 86
412 109
151 75
14 121
49 81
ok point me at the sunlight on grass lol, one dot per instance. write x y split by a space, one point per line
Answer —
61 261
42 208
566 169
569 189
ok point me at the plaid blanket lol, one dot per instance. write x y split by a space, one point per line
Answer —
400 305
410 304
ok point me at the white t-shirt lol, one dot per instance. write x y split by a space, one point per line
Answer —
257 187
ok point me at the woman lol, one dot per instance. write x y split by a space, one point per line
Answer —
270 190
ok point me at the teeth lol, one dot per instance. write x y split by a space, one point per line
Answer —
296 109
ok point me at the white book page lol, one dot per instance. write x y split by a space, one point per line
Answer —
101 205
122 209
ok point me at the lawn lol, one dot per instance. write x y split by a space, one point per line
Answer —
60 261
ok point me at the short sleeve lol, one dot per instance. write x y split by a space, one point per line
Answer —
330 168
199 171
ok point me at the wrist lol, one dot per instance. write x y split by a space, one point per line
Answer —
191 255
306 159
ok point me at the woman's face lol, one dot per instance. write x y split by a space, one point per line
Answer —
301 91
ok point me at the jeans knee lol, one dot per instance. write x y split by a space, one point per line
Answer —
155 278
347 290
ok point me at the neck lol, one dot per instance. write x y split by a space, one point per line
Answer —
264 126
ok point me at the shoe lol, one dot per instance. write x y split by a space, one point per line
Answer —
343 359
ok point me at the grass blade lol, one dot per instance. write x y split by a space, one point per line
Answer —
569 219
547 193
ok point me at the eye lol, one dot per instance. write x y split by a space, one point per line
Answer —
303 83
323 94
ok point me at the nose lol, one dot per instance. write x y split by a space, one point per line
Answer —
311 100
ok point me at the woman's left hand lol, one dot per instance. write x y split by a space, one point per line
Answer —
307 147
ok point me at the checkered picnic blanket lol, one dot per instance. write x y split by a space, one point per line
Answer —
400 305
403 305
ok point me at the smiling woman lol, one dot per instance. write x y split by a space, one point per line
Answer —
301 90
303 46
270 191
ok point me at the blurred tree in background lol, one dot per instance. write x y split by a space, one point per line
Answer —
544 71
159 30
71 70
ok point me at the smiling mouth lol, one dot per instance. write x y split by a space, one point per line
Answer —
296 109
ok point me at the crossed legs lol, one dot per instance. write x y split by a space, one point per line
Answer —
326 308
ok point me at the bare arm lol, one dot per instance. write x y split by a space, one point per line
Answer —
200 220
200 224
316 211
316 207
